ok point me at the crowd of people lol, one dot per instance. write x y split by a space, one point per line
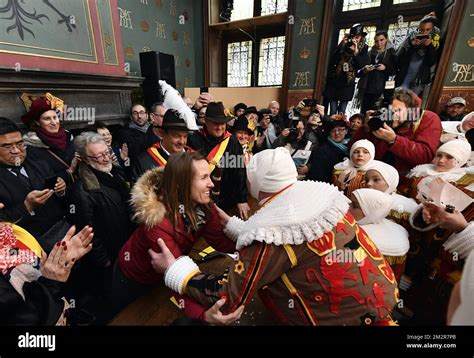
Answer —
343 218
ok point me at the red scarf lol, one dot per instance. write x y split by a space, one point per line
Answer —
56 140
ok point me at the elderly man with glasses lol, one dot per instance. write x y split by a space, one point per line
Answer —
99 199
28 201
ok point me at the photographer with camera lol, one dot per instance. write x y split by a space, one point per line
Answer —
351 55
405 136
417 54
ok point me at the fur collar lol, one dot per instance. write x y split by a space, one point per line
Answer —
88 178
148 208
31 139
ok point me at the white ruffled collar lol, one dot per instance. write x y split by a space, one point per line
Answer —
390 238
428 170
303 212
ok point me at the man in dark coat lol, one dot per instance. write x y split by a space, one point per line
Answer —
27 201
134 133
225 156
100 198
174 136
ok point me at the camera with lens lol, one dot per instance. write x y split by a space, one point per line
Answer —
378 118
293 134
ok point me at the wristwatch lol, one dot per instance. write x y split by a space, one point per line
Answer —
392 141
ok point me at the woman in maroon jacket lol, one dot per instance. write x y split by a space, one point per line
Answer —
173 204
412 138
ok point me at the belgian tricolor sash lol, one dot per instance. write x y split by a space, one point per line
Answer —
217 152
156 155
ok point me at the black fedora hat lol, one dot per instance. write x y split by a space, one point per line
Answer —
240 106
357 29
241 124
172 120
251 109
215 113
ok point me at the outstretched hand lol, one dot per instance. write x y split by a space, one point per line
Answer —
215 316
80 244
56 266
160 261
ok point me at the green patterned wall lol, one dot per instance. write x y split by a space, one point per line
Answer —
169 26
306 38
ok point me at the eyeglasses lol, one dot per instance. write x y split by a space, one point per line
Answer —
101 156
339 130
141 113
158 115
9 146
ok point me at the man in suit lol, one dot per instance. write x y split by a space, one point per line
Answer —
226 157
28 202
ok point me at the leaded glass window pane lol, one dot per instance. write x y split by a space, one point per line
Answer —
239 64
270 7
271 60
243 9
351 5
397 32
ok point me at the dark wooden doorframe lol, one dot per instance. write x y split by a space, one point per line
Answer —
322 64
450 41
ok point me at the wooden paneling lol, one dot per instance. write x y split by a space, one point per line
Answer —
259 97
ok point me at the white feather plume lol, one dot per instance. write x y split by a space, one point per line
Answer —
173 100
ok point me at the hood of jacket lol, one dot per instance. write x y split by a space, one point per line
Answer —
148 208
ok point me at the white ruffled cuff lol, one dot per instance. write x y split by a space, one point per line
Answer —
412 217
234 227
462 242
179 273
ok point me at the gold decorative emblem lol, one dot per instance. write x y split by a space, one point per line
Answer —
305 53
129 51
144 25
470 42
239 267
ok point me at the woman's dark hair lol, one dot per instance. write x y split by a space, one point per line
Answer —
355 116
97 125
381 32
406 96
8 126
175 188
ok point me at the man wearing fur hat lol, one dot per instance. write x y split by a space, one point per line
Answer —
174 136
222 148
302 252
